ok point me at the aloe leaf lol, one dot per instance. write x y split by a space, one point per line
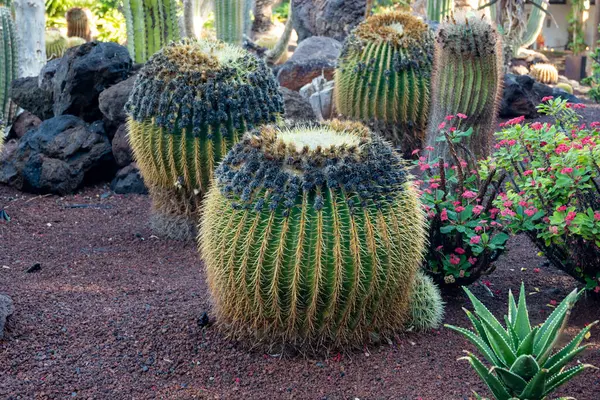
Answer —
536 387
479 343
558 313
497 388
558 366
546 347
526 346
477 325
526 367
572 345
513 382
485 314
500 346
512 308
560 379
514 339
522 324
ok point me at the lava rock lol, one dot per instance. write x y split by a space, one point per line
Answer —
46 76
60 156
6 310
121 148
518 97
25 122
315 56
297 107
83 73
26 93
34 268
112 101
129 181
332 18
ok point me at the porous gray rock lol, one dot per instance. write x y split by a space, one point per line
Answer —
6 310
129 181
121 148
297 107
332 18
112 101
26 93
24 122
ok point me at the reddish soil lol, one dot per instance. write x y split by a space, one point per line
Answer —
113 314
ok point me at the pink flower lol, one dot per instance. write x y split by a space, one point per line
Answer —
429 148
449 117
562 208
469 194
475 239
566 170
459 209
516 121
434 185
442 125
537 126
553 230
597 215
472 260
536 270
562 148
597 289
459 250
461 116
454 260
523 203
415 151
528 172
477 210
507 203
439 248
545 99
478 228
424 167
444 215
494 212
530 212
453 129
571 216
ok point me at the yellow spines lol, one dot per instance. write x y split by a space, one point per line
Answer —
544 73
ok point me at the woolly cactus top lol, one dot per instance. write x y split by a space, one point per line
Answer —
203 83
272 166
468 34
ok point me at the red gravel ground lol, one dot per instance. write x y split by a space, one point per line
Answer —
113 314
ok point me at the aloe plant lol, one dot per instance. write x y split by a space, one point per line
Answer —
521 355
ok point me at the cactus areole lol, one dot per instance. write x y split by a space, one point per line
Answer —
312 234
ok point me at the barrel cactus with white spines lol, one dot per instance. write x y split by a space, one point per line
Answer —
467 78
544 73
312 234
383 77
191 102
9 65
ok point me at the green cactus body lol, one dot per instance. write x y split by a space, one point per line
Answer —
535 23
565 86
75 41
383 76
312 234
190 103
426 305
438 10
544 73
79 23
8 63
467 79
151 25
56 44
230 20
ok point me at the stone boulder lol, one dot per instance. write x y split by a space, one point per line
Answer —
315 56
25 122
332 18
121 148
129 181
46 76
26 93
297 107
60 156
6 310
112 101
83 73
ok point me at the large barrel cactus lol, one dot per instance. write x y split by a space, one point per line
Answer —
383 77
190 103
79 23
151 25
312 234
467 79
8 64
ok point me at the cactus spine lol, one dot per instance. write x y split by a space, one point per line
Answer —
544 73
9 65
467 79
438 10
151 24
312 234
383 76
230 20
190 103
79 23
426 305
56 44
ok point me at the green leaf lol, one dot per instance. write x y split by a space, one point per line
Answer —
485 314
514 339
557 367
479 343
490 380
477 325
522 324
499 239
499 344
526 346
512 308
548 331
513 382
536 387
557 359
447 228
565 376
526 367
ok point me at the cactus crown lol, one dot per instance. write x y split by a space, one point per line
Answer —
181 84
272 166
476 36
400 29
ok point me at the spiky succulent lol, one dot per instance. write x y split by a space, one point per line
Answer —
79 23
151 25
190 103
383 77
312 234
9 65
426 305
523 366
544 73
56 44
230 20
565 86
467 79
438 10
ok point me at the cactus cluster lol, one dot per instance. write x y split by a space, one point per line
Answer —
151 24
191 102
79 23
544 73
383 77
57 44
8 64
467 78
312 234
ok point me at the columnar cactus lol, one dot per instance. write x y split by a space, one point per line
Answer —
8 64
312 234
190 103
230 20
535 22
467 79
79 23
56 44
151 24
438 10
544 73
383 77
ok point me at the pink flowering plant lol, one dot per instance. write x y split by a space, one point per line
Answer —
553 187
457 194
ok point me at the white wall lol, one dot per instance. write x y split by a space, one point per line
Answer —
557 36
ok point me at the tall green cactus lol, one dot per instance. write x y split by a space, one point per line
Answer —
383 76
151 25
467 79
438 10
535 22
8 64
230 20
312 234
190 103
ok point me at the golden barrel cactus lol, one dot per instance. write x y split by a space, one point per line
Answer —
312 234
544 73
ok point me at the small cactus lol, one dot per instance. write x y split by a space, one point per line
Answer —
426 305
8 64
565 86
544 73
383 77
56 44
75 41
191 102
467 79
79 23
312 234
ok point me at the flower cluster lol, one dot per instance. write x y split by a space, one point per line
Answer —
553 188
464 233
